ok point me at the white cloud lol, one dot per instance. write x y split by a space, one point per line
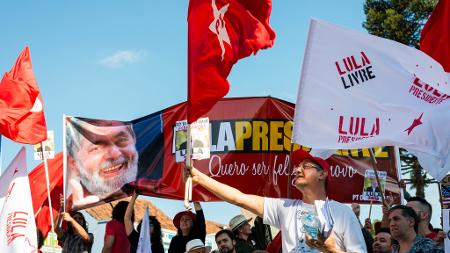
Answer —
122 57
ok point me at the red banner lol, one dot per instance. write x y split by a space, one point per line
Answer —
250 150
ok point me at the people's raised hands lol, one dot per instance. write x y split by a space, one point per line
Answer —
190 171
368 225
67 217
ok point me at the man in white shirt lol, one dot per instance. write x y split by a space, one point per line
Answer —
311 179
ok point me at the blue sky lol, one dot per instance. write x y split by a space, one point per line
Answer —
126 59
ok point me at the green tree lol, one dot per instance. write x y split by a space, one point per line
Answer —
399 20
402 21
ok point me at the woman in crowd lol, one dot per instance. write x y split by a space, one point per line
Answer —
75 238
189 226
116 240
133 235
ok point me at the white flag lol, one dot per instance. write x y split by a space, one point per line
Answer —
17 226
144 245
358 91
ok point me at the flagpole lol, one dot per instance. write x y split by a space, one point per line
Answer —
374 165
64 161
399 171
289 178
47 178
188 184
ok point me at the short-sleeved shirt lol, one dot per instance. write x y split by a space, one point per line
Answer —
423 244
73 243
117 229
287 214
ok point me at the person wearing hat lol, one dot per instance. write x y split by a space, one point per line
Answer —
189 226
311 178
242 234
197 246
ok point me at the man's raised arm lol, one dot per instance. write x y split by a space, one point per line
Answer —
252 203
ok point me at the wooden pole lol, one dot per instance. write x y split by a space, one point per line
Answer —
374 165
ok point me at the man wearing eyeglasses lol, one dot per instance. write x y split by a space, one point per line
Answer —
311 178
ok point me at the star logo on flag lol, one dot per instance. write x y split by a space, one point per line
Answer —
37 106
415 123
217 26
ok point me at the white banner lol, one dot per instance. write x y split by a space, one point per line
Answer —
17 226
145 245
358 91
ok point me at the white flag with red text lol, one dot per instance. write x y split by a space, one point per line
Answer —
17 225
357 91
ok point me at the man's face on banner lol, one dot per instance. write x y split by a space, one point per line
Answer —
107 158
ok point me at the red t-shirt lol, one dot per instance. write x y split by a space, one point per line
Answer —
117 229
431 235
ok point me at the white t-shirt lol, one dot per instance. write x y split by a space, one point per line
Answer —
286 215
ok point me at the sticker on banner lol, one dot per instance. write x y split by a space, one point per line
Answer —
48 146
200 134
372 191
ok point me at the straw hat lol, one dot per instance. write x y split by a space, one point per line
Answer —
196 244
237 221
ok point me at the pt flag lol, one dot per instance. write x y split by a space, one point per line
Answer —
21 111
435 36
17 226
357 90
220 32
38 186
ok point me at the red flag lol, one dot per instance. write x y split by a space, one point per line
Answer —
38 187
21 111
435 36
220 32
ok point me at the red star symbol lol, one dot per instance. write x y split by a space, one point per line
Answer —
415 123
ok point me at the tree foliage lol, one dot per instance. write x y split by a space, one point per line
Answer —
399 20
402 21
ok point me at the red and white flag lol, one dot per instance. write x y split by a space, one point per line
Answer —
358 90
21 111
435 36
17 225
220 32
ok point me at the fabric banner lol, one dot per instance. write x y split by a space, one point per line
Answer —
17 226
358 91
220 32
435 35
145 244
38 186
21 110
107 158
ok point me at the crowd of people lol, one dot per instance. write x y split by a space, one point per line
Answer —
403 228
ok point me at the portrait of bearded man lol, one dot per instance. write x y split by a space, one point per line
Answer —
102 158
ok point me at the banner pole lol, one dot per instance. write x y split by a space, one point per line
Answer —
188 183
47 178
289 178
64 160
374 165
398 164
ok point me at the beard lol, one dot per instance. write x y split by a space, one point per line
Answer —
102 188
226 249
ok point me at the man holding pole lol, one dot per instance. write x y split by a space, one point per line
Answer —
312 175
